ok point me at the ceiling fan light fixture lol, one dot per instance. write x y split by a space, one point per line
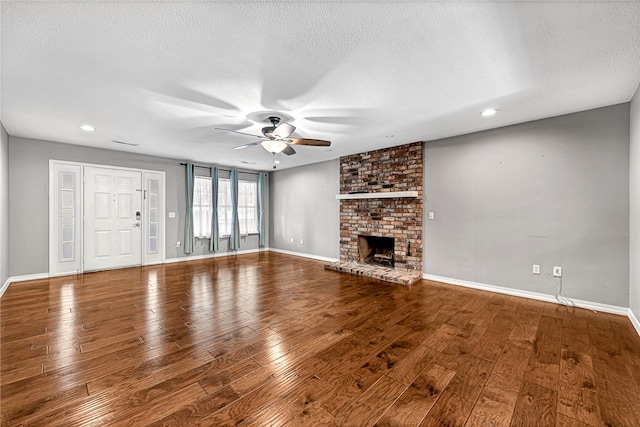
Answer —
274 145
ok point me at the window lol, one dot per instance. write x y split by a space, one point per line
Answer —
202 207
247 207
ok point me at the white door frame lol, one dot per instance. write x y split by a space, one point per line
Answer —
56 267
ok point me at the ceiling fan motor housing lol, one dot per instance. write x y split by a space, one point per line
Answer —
268 131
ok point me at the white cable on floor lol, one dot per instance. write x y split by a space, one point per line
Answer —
559 297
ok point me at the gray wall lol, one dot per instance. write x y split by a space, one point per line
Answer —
4 205
304 206
549 192
28 199
634 210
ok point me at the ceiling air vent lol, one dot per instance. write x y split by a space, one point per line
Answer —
125 143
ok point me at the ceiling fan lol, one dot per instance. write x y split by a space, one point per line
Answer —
275 138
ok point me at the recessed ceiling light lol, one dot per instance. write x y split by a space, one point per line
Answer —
87 128
277 162
489 112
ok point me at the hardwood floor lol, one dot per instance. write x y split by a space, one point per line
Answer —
268 339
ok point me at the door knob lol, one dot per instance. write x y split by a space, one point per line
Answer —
137 224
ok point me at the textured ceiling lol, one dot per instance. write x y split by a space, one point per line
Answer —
164 74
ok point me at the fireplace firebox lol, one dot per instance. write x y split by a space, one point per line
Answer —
376 250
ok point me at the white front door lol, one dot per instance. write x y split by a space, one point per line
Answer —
112 218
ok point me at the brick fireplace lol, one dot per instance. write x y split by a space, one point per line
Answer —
381 196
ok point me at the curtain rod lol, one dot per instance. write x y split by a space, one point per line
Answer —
226 170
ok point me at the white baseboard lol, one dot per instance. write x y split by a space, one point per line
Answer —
152 263
605 308
634 321
5 286
68 273
23 278
302 254
216 255
26 277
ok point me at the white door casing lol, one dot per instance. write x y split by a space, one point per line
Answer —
153 218
112 218
65 219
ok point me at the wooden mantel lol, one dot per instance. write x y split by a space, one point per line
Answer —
380 195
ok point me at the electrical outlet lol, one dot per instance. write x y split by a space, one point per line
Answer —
302 241
536 269
178 244
557 271
431 215
292 240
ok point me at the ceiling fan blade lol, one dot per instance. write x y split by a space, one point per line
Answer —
307 141
283 130
251 144
238 132
289 150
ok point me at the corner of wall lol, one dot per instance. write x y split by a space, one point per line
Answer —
4 206
634 208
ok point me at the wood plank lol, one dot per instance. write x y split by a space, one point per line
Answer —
470 377
412 406
291 404
370 406
498 398
576 369
536 406
564 421
191 413
449 410
242 408
408 369
313 415
579 403
618 405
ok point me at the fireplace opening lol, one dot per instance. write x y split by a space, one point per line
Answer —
376 250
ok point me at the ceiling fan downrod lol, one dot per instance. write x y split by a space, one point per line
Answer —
274 120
